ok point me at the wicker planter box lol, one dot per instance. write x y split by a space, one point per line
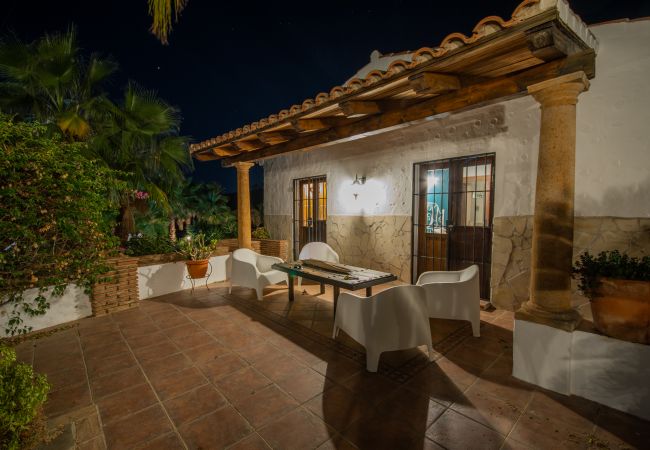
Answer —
121 292
232 244
270 247
274 247
164 258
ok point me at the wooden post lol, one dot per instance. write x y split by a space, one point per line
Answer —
243 205
552 252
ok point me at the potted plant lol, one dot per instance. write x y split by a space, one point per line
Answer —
618 287
197 254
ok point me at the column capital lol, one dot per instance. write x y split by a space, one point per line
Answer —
563 90
243 166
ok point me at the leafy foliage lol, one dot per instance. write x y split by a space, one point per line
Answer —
56 220
22 393
260 233
202 206
195 247
139 138
589 269
149 245
162 11
50 81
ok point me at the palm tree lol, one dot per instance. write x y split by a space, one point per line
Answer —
48 80
161 11
140 140
202 205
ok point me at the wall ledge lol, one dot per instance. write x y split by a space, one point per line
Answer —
609 371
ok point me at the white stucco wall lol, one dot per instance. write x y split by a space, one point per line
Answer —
72 305
613 130
608 371
612 156
161 279
155 280
509 129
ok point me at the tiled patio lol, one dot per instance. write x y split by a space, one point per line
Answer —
212 370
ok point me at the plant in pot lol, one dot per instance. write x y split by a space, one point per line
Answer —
618 287
197 254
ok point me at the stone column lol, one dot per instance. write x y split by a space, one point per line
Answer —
552 252
243 205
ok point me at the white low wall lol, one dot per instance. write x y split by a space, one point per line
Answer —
161 279
72 305
608 371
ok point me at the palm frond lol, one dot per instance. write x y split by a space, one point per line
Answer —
161 12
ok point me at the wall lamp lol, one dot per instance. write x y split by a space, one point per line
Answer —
358 180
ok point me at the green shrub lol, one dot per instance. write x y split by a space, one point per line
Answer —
196 247
56 219
261 233
22 393
589 269
149 245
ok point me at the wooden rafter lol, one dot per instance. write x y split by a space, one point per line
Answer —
275 137
321 123
357 108
249 145
466 97
434 83
225 150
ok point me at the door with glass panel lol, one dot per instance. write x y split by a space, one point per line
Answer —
309 212
452 216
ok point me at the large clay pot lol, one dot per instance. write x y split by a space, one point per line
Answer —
197 269
621 309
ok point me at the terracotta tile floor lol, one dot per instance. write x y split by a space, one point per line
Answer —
213 370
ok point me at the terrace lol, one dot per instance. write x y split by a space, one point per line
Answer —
213 370
470 153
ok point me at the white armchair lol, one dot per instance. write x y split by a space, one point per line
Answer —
454 295
317 250
394 319
252 270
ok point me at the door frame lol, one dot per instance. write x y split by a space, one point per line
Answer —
415 208
296 213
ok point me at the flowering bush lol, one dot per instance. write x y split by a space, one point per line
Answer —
141 195
56 220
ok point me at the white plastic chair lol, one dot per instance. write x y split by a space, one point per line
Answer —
317 250
394 319
252 270
454 295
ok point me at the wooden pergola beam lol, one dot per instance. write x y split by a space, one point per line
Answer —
249 145
356 108
466 97
225 150
317 124
302 125
434 83
275 137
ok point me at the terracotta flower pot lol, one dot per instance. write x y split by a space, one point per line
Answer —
621 309
197 269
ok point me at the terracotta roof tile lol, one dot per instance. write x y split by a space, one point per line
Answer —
451 42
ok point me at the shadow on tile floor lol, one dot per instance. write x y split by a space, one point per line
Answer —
213 370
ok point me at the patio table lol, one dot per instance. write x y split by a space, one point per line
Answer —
358 278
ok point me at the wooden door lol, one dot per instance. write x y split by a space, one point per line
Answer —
309 212
453 226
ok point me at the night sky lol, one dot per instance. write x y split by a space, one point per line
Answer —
232 63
